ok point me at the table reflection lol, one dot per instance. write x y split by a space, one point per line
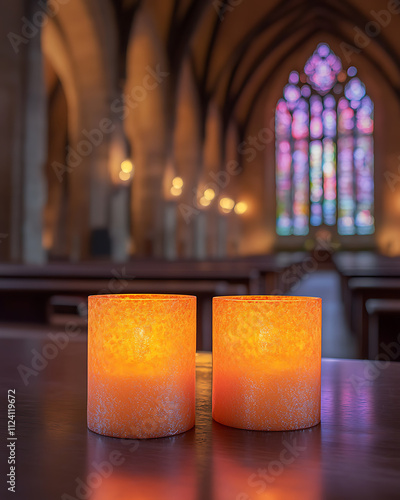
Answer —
266 465
126 469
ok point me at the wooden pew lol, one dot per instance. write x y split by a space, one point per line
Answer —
363 265
383 328
39 294
362 289
260 274
27 292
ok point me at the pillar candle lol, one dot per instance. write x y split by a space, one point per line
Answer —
267 362
141 365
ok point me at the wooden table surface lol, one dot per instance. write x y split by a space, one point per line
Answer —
354 453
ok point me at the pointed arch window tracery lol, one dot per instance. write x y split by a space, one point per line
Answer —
324 149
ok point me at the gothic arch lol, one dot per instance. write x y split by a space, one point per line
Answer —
145 110
87 77
324 125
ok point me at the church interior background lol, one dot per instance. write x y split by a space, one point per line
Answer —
192 129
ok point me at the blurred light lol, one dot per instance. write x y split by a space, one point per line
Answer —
241 207
124 176
309 244
226 204
209 194
305 91
177 183
47 239
338 88
341 76
352 71
294 77
176 191
204 201
127 166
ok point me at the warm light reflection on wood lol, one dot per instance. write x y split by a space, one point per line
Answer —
267 362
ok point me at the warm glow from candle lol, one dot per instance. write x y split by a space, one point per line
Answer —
241 207
267 362
226 204
124 176
209 194
204 202
177 183
175 191
127 166
141 365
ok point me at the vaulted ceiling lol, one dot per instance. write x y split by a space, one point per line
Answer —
237 46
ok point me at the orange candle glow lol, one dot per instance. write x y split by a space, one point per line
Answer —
267 362
141 365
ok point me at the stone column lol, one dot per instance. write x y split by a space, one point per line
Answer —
200 251
119 227
34 154
170 230
22 134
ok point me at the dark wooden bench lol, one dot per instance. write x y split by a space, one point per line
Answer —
42 301
260 274
383 328
361 290
363 265
44 294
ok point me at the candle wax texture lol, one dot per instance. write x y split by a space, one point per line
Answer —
141 365
267 362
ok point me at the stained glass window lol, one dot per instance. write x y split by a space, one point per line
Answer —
324 149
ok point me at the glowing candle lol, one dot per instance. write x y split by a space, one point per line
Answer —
141 365
267 362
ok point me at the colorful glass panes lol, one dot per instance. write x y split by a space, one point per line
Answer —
300 191
291 93
352 71
323 68
324 149
294 77
316 195
316 127
354 90
329 171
